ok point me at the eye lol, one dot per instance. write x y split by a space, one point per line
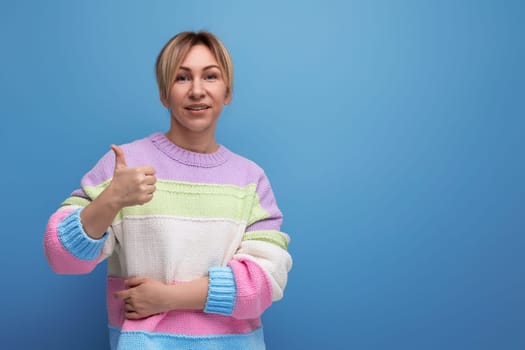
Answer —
211 76
182 77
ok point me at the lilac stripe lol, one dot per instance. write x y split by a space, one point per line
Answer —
221 167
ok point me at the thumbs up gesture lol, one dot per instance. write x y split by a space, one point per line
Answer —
131 185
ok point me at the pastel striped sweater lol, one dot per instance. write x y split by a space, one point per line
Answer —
212 215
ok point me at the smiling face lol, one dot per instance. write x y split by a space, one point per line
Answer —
197 96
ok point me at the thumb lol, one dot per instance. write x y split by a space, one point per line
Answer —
120 159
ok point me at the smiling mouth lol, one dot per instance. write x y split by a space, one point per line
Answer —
197 107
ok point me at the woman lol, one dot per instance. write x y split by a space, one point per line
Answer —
190 229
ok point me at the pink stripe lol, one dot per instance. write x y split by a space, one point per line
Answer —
254 290
60 259
174 322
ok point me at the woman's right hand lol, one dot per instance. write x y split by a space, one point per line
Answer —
130 186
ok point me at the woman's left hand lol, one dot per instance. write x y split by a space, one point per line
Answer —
145 297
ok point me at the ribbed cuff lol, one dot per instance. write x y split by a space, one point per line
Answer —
221 291
73 237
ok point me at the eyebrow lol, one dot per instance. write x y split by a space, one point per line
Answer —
205 68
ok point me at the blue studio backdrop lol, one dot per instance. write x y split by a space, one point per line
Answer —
392 132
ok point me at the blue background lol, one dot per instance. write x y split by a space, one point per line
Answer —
392 132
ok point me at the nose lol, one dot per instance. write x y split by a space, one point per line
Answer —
196 89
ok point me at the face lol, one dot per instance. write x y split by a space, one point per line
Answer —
198 94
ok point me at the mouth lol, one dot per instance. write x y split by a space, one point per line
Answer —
197 107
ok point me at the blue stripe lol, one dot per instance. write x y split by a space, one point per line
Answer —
221 291
133 340
72 236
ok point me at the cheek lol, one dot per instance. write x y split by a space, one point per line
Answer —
221 94
176 97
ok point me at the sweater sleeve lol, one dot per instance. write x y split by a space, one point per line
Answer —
257 274
68 249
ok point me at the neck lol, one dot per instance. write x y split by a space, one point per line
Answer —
194 143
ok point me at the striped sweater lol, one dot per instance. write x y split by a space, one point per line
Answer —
211 215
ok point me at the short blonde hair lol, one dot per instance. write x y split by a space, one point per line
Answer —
173 53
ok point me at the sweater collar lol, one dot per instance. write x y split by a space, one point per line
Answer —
184 156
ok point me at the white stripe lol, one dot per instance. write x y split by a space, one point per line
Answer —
182 218
273 259
170 248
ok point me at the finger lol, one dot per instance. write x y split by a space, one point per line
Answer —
147 170
150 180
132 315
134 282
120 159
123 294
150 189
129 308
145 198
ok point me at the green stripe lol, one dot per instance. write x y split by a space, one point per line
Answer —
74 200
258 213
269 236
196 201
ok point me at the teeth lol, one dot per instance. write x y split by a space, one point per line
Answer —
197 108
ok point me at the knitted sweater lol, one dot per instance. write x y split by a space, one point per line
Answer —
211 215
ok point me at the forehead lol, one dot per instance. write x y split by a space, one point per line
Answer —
198 57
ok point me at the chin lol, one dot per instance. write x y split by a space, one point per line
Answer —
196 126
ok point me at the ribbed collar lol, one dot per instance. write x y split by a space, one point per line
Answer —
204 160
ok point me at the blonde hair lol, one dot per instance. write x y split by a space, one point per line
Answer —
173 53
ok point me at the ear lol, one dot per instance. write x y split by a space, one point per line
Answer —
164 102
228 98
